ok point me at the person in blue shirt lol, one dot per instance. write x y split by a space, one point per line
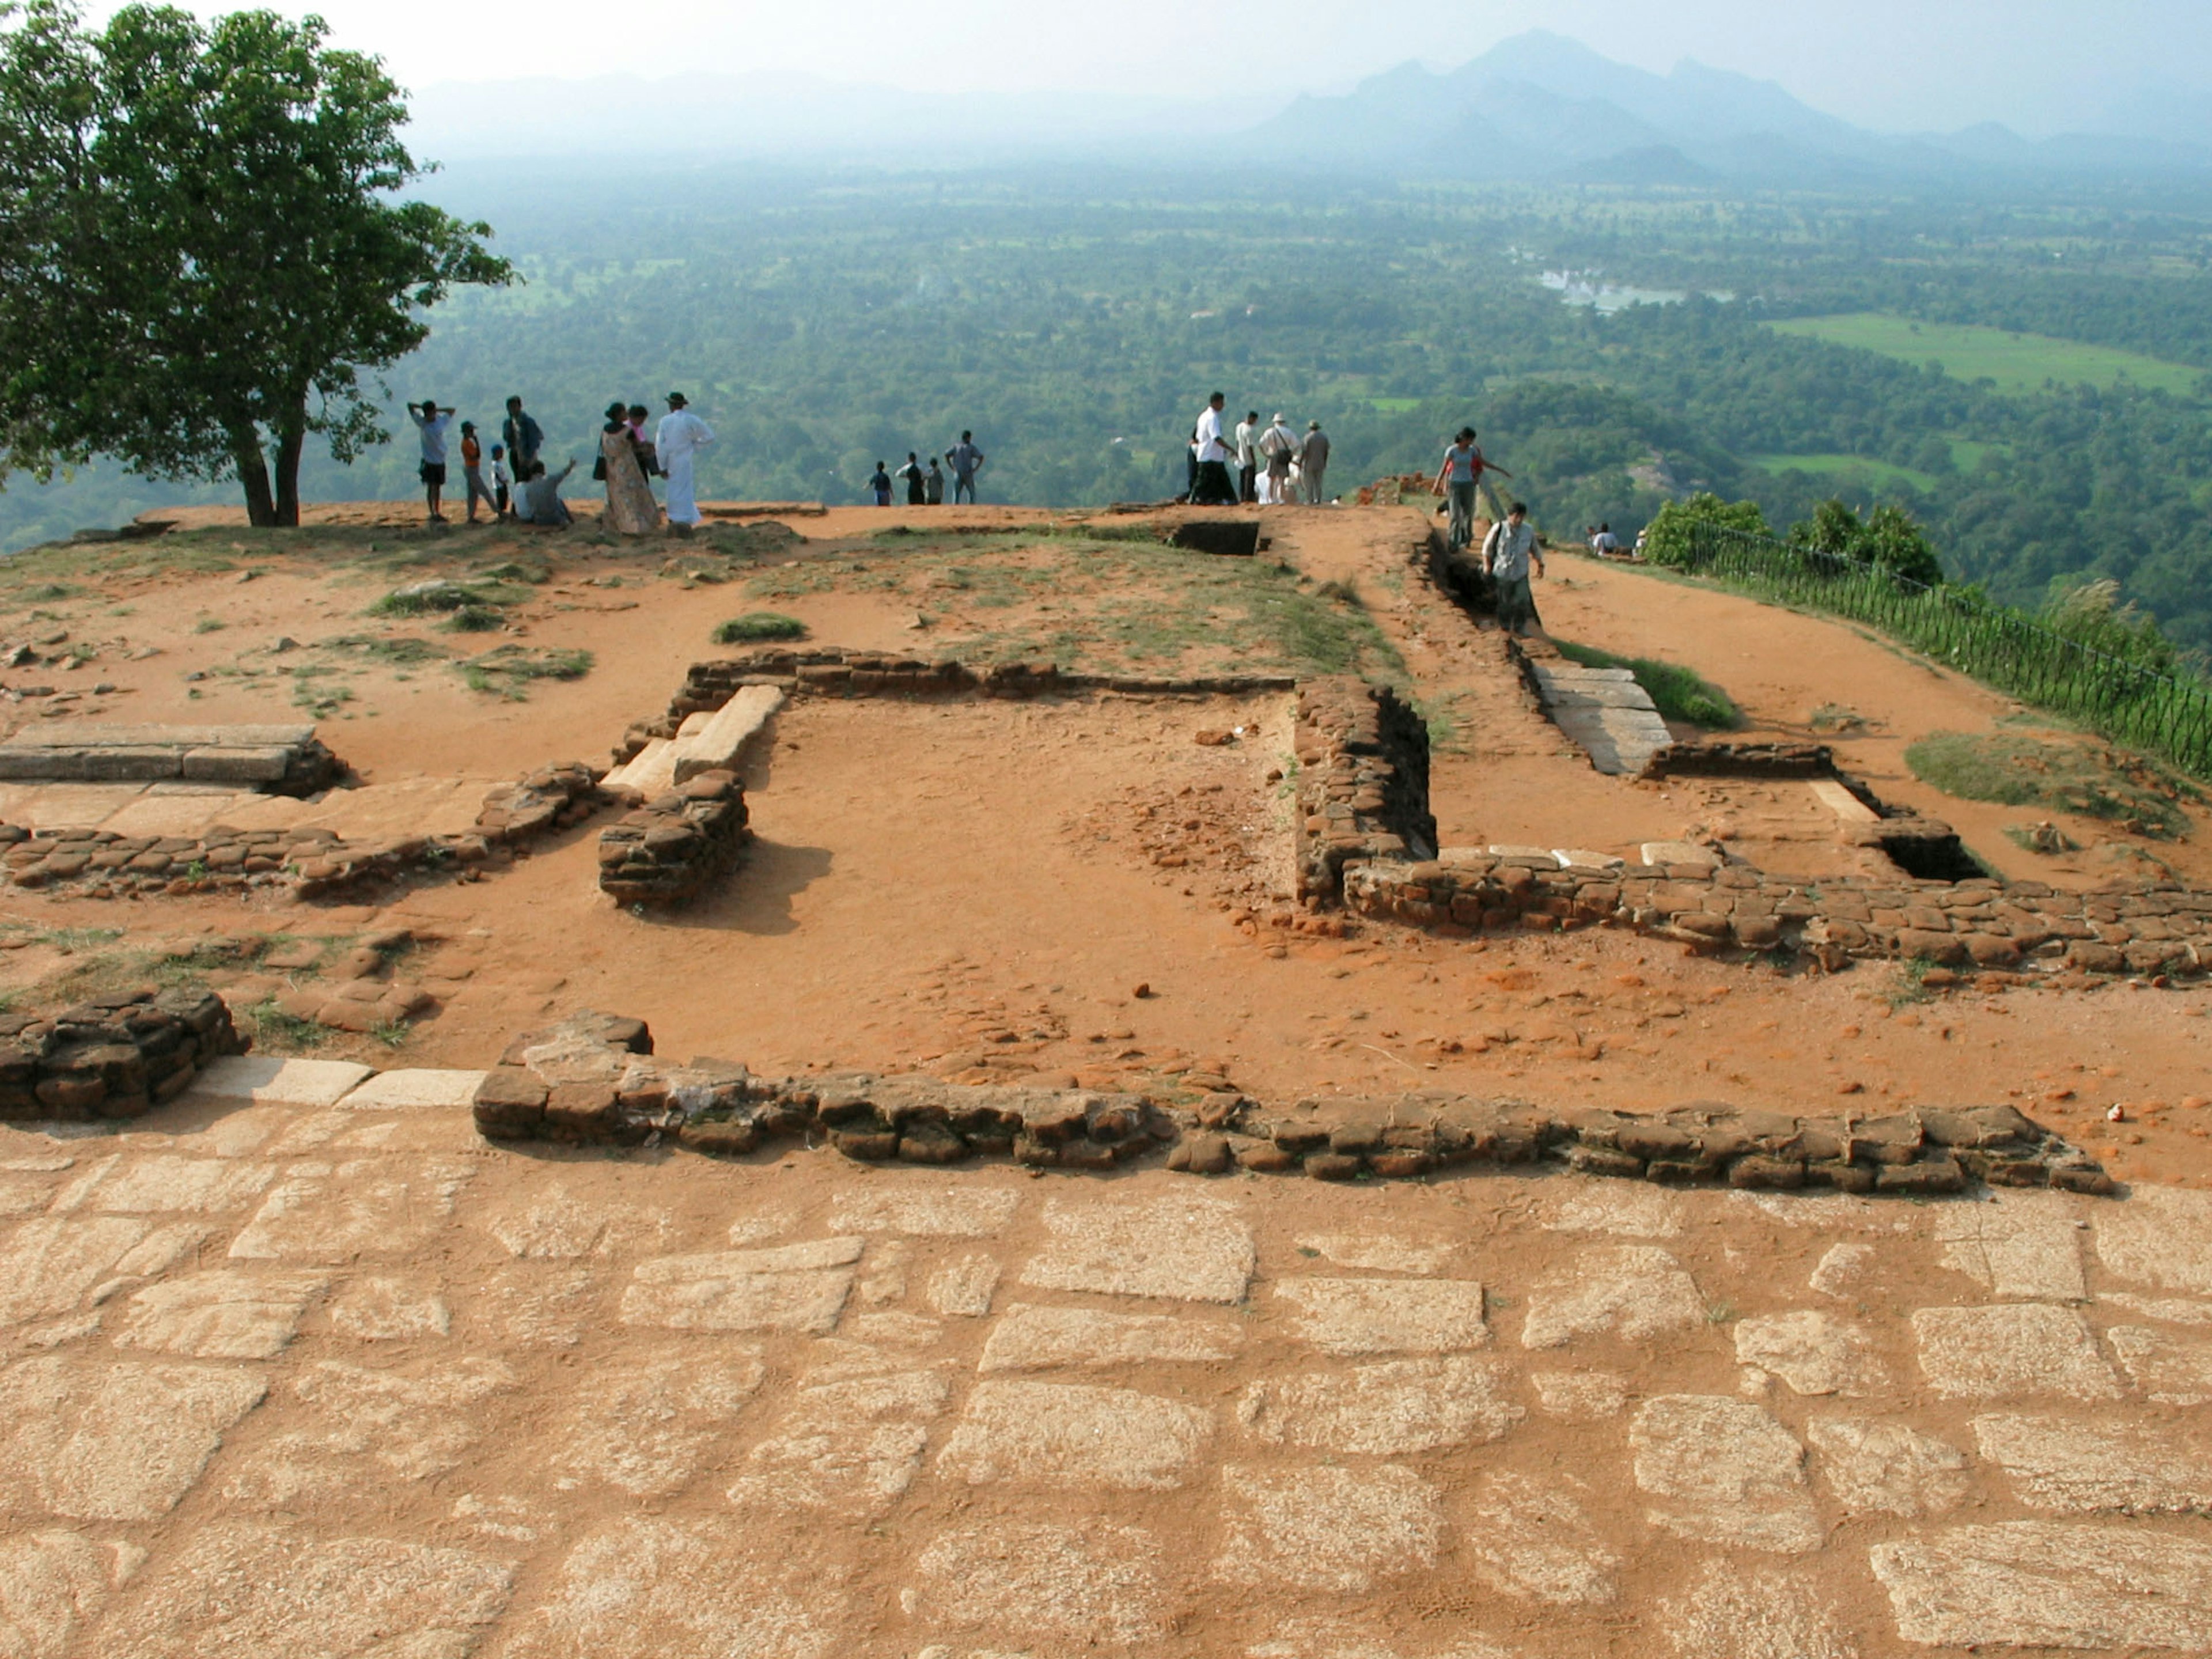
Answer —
881 483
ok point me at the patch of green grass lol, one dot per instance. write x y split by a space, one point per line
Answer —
1847 471
2016 362
507 670
2015 769
392 1033
537 573
1679 694
759 625
47 592
1910 985
2048 839
275 1030
476 619
315 690
209 625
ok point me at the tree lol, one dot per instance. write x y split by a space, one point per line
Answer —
198 249
1887 537
1667 538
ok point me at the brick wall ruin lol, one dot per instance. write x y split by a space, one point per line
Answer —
1363 786
113 1057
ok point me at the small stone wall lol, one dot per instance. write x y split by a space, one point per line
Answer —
1982 924
113 1057
1744 760
673 848
1363 786
314 863
831 673
593 1079
280 760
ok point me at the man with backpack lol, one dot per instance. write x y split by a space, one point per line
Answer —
1508 554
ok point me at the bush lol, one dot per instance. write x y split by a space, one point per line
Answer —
2092 614
1667 538
1887 537
757 625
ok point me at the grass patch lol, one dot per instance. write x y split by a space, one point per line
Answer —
2047 839
401 652
759 625
209 625
1679 694
476 619
274 1029
1910 985
2014 769
2016 362
507 670
1847 471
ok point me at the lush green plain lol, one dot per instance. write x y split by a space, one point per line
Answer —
2012 362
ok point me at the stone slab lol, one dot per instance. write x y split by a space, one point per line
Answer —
379 1308
925 1211
219 1315
1678 852
73 806
2160 1235
350 1430
2043 1584
1533 1539
50 1263
1886 1468
2172 1369
1634 1292
800 1287
963 1288
235 763
1386 1253
265 1079
1729 1612
162 1183
650 771
648 1427
109 734
2081 1467
1070 1435
1623 1209
1814 1352
2022 1246
118 1441
1030 1337
324 1213
1189 1249
412 1089
250 1591
1089 1583
720 743
2014 1349
1358 1317
1726 1472
54 1584
158 813
1834 798
1389 1409
1326 1528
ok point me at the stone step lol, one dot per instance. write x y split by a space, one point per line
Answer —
706 742
287 757
1606 713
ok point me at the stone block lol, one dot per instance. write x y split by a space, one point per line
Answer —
415 1089
268 1080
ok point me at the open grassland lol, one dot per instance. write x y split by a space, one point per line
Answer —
1848 471
2016 362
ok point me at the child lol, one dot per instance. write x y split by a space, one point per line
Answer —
500 477
472 471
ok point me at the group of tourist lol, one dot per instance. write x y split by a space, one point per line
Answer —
522 490
924 483
1273 464
1509 551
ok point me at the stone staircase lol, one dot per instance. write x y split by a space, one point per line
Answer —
1604 710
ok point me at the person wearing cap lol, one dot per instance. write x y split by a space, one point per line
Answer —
1280 445
676 442
1313 461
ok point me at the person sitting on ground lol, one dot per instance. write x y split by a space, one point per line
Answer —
1605 543
880 482
541 497
1508 554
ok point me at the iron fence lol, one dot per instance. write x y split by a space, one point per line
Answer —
2120 699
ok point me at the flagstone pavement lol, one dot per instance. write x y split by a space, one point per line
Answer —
342 1381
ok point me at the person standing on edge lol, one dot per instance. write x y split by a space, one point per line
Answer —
880 482
916 489
1212 488
1313 462
1508 553
631 509
677 442
1455 483
1248 458
432 426
523 438
472 472
1280 447
933 486
967 461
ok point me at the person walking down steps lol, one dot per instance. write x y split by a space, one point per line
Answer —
1508 554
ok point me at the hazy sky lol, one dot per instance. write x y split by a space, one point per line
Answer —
2039 65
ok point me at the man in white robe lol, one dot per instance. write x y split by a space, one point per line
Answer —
678 439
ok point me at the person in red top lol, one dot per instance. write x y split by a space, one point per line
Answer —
472 473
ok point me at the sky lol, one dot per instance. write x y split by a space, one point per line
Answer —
2038 66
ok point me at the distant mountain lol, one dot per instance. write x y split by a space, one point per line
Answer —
1540 105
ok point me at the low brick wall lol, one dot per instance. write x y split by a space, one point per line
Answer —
1742 760
314 863
593 1080
673 848
1982 924
113 1057
1363 786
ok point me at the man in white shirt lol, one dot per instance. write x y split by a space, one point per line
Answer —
1213 488
1279 444
432 425
677 442
1247 459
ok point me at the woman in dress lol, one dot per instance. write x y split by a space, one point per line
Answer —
630 506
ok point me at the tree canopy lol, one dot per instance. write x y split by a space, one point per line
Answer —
199 253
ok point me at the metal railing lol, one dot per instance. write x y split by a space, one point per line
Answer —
2000 647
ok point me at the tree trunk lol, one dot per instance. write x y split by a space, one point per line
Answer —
253 475
290 436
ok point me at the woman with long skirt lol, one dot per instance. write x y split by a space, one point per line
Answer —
630 506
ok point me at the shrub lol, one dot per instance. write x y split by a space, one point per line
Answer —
1667 538
756 625
2092 614
1887 537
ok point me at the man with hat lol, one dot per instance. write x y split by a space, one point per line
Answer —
1313 461
1278 445
676 441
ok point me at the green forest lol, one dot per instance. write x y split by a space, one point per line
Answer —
1076 320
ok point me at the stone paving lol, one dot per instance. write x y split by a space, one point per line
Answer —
334 1378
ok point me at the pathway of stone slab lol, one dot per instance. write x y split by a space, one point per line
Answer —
331 1377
